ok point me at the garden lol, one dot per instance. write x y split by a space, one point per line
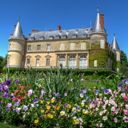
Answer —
58 99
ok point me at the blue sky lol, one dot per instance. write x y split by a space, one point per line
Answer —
47 14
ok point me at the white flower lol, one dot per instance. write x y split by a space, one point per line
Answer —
30 91
123 94
126 106
101 113
113 109
18 110
32 105
115 120
105 118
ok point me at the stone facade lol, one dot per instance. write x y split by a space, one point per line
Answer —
76 48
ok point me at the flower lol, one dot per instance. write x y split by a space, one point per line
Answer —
8 82
48 107
115 120
62 113
105 118
126 112
125 98
25 107
85 112
9 105
36 121
53 100
42 111
30 91
125 118
75 121
36 100
50 116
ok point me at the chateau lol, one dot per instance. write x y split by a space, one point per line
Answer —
82 48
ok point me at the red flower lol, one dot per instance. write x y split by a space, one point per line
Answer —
125 98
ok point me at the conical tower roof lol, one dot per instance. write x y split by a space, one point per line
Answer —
17 34
99 23
115 44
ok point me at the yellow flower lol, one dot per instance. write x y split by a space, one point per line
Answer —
42 111
82 104
62 113
57 107
48 102
48 107
49 115
41 101
53 100
69 106
85 112
75 121
36 121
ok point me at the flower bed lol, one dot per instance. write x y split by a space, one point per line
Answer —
23 104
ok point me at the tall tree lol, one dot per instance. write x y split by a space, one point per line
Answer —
124 64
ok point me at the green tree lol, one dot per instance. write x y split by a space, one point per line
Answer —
124 64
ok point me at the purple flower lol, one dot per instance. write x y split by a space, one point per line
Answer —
83 91
36 100
5 95
25 107
8 82
9 105
107 91
57 94
17 81
5 88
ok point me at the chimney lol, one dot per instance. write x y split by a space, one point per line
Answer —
59 27
102 21
34 30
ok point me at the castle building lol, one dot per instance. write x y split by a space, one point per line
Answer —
82 48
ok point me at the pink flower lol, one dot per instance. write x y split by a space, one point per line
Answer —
30 91
125 98
125 119
126 112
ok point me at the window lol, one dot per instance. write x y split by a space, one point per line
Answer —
83 61
72 61
95 63
38 47
83 46
117 56
28 61
47 61
48 47
37 62
72 46
102 44
62 47
61 60
29 47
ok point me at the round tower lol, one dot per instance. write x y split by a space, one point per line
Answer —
117 52
99 45
16 48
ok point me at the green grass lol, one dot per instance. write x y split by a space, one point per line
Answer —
4 125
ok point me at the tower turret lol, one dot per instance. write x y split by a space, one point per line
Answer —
16 47
116 50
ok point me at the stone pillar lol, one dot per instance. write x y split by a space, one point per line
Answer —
77 60
66 59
